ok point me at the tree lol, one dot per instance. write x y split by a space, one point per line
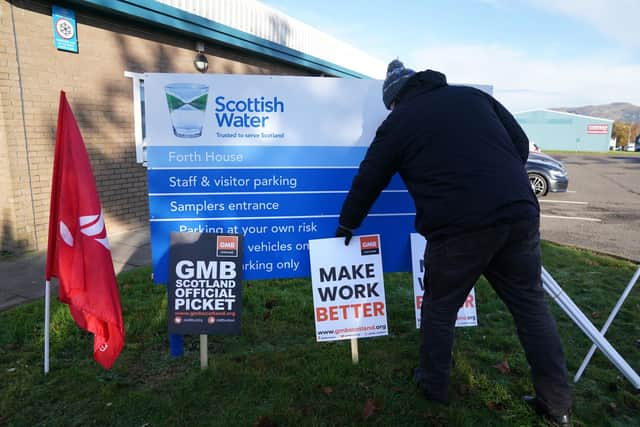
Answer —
635 133
624 132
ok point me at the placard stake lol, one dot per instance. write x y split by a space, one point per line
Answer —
354 350
204 351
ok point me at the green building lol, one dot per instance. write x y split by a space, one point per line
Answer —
556 130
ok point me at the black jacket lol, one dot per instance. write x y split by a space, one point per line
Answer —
460 153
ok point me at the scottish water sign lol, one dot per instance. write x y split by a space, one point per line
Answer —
269 158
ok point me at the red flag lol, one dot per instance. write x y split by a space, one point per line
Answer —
78 253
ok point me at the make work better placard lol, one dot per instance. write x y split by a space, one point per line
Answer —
205 284
348 288
467 315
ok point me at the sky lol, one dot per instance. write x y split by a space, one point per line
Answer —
535 53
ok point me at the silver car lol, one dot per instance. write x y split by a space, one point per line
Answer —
546 174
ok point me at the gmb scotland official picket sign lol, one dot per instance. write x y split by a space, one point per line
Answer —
205 286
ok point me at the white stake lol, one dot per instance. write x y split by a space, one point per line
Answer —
204 352
47 304
354 350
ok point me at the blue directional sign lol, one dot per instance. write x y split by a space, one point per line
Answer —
268 158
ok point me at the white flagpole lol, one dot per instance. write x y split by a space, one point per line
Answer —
47 304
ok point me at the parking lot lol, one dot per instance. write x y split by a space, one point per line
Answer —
601 211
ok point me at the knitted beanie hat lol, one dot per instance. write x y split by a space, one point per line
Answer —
397 76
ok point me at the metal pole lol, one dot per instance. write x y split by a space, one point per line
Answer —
604 329
556 292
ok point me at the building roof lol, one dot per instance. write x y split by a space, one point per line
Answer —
260 20
564 113
250 26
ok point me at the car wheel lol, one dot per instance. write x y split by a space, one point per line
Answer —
539 184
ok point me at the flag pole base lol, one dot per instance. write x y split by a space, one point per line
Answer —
47 320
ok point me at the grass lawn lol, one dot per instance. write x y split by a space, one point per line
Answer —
276 374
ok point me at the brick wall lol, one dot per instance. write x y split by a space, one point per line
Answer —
15 200
101 98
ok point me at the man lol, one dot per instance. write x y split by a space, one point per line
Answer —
462 157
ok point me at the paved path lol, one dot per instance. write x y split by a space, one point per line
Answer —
602 211
22 278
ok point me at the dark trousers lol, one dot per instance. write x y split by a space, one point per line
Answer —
509 257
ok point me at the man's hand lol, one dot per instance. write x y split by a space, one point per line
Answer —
344 232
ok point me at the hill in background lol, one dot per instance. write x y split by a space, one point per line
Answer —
620 111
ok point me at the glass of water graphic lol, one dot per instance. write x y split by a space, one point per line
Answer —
187 103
